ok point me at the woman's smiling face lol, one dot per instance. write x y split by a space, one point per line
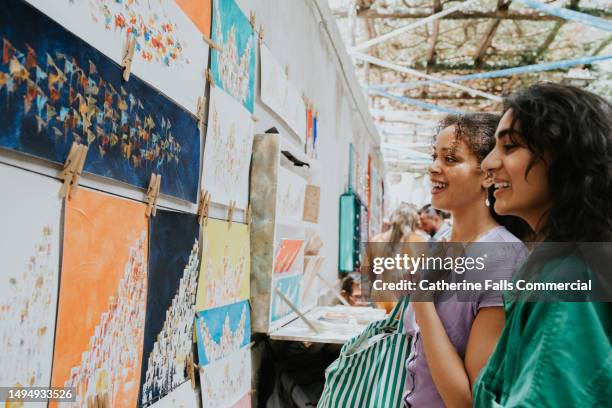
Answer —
455 174
528 196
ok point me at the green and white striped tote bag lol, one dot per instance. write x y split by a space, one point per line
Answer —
370 371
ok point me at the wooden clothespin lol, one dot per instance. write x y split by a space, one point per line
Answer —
67 170
261 33
72 169
211 44
80 163
200 111
230 213
190 367
248 217
210 78
153 194
203 208
128 56
287 71
253 19
254 118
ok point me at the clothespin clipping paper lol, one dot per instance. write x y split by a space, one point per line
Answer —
128 56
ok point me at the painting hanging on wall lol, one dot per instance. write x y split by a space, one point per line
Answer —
225 269
102 300
222 331
226 383
184 396
199 11
290 287
290 196
29 249
168 43
172 283
227 150
233 68
280 95
288 249
286 254
56 89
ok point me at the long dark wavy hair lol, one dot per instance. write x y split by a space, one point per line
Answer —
477 130
575 127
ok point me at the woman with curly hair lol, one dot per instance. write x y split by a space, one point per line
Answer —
552 167
453 337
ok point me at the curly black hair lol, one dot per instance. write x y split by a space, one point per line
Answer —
477 130
575 127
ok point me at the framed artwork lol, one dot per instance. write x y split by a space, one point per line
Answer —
171 293
290 287
199 11
227 383
170 52
29 249
290 196
286 254
280 95
55 89
288 249
184 396
226 267
227 150
102 300
233 68
222 331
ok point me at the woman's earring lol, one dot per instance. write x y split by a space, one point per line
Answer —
487 202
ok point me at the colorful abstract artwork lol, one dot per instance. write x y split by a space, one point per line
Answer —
225 268
184 396
29 249
288 249
233 68
227 383
290 196
102 300
199 11
286 254
280 95
168 43
222 331
290 287
171 293
227 150
56 89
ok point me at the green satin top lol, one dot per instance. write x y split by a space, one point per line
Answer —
551 354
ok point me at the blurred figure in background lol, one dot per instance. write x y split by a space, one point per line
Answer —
434 223
404 226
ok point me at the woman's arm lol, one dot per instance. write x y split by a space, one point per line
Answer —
452 376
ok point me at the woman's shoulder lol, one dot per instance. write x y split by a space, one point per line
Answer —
499 234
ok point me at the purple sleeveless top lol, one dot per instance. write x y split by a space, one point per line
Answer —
457 318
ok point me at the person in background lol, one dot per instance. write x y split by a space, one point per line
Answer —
552 167
452 339
351 290
433 222
404 225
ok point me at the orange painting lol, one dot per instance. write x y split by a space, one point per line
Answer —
286 254
199 11
102 301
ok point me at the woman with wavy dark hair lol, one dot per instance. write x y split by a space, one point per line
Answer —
552 167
